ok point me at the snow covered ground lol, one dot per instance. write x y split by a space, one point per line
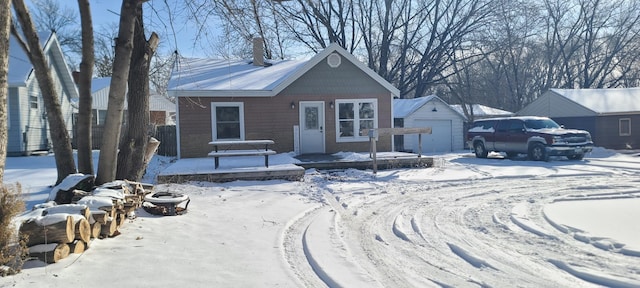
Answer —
466 222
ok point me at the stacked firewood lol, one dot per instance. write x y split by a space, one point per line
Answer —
74 217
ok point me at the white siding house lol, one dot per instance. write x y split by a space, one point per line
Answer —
446 124
28 126
161 108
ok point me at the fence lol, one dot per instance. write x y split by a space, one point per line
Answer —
165 134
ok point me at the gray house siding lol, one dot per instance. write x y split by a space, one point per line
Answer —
608 132
347 79
14 141
584 123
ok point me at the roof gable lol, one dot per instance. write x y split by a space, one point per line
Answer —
604 101
20 67
213 77
403 108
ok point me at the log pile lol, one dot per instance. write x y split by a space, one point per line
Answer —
55 230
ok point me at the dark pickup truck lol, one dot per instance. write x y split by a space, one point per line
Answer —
538 137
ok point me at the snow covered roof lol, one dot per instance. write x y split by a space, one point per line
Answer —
100 83
100 94
405 107
482 111
230 75
19 64
219 77
603 101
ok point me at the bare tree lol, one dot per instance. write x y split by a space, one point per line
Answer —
316 24
242 21
131 158
59 135
85 156
5 23
51 16
105 39
107 162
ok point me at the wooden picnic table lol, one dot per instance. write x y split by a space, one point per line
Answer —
228 148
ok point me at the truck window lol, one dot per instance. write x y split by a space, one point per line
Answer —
516 126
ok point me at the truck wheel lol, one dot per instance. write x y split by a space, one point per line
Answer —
478 148
538 153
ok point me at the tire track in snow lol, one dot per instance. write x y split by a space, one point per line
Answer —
495 223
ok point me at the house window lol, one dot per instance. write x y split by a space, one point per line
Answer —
227 120
33 102
625 126
355 118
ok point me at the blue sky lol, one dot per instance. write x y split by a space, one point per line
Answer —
175 32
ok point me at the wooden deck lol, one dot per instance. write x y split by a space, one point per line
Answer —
202 169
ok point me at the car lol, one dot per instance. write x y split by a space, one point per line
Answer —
538 137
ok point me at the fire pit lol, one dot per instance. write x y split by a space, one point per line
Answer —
166 203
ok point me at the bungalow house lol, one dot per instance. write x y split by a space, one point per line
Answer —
27 118
324 104
161 109
608 114
446 124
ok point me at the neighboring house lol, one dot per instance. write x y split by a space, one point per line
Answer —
321 105
481 111
611 115
446 124
27 117
161 109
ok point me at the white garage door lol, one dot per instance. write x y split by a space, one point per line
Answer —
438 141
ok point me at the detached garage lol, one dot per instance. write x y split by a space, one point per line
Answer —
430 111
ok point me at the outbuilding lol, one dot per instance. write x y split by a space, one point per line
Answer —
446 125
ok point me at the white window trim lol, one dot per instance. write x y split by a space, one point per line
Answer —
356 119
214 120
624 133
31 101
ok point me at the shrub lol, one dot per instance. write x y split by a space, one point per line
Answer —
12 249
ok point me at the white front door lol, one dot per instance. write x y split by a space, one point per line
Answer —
312 127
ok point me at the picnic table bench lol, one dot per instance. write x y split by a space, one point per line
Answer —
228 149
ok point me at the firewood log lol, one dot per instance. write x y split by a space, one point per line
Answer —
99 216
55 228
109 229
77 247
78 194
50 253
82 230
79 209
121 219
96 228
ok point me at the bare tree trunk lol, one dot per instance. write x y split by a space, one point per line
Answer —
85 157
107 162
131 158
60 139
5 23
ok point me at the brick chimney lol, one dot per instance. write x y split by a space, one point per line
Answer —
258 52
